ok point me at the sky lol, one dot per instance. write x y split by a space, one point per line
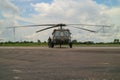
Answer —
29 12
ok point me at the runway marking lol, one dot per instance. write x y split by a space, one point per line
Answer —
106 63
16 77
17 71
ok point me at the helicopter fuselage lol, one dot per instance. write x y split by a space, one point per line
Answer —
61 36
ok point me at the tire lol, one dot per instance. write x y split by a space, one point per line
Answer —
52 45
70 45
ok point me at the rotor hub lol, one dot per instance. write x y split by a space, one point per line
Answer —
61 24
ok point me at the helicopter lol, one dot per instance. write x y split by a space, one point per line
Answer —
61 35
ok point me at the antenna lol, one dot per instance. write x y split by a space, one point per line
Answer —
14 33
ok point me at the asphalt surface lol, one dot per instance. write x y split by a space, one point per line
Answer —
37 63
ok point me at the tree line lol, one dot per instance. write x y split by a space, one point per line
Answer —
116 41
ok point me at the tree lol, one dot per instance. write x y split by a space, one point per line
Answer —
74 41
44 42
39 41
116 40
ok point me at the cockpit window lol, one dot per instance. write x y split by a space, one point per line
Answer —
57 33
67 33
61 33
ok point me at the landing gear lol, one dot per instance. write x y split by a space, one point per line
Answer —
70 44
51 45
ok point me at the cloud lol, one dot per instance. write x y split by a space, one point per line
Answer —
7 17
78 11
26 0
0 32
8 11
6 5
114 14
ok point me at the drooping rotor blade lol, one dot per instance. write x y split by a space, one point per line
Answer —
46 28
90 25
85 29
33 25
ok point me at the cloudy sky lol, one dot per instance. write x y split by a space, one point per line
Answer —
29 12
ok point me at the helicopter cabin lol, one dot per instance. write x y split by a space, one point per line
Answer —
61 33
61 36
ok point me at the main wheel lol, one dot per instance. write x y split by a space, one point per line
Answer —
70 45
52 45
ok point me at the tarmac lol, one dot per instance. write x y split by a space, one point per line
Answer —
43 63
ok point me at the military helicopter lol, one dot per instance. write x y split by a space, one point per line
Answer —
61 35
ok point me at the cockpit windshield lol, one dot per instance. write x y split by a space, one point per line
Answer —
61 33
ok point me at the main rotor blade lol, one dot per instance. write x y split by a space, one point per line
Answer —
38 25
90 25
46 28
85 29
58 25
33 25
